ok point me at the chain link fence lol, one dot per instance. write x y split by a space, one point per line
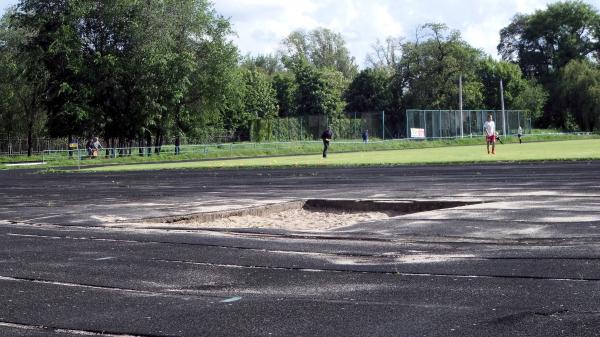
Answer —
447 123
310 127
379 124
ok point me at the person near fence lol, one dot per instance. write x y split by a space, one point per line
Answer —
177 144
489 127
520 134
88 147
326 136
96 147
72 145
365 136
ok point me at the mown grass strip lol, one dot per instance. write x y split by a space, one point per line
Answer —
541 151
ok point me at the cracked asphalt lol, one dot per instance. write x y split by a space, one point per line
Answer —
523 259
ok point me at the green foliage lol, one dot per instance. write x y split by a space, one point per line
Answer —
260 97
323 48
319 92
519 93
22 84
128 70
430 70
531 99
579 90
285 87
260 103
123 68
369 91
543 43
269 64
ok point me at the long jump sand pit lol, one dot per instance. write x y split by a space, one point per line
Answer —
307 215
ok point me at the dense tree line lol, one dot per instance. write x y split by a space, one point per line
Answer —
141 72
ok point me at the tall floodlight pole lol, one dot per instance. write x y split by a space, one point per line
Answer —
460 104
502 105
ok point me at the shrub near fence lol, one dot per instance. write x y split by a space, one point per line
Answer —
305 128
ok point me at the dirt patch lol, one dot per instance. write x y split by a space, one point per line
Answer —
310 215
298 219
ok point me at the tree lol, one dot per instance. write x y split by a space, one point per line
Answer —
54 47
544 42
23 82
579 91
285 87
269 64
369 91
319 92
385 55
126 68
430 67
491 72
323 48
531 99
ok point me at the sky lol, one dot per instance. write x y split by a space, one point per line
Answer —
261 25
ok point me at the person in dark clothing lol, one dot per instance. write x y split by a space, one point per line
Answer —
365 136
177 144
88 147
326 136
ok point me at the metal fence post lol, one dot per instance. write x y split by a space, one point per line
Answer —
383 125
408 115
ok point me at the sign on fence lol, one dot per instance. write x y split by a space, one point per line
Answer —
417 133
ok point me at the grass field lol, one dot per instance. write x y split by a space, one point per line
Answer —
250 150
564 150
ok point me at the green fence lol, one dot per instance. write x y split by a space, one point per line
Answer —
306 128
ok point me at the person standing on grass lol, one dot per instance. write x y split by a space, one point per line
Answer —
177 143
326 136
365 136
520 134
489 128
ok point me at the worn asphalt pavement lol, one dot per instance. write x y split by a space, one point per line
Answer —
524 260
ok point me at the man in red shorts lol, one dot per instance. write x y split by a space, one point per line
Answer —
489 128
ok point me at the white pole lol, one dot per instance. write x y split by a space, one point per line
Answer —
502 104
460 104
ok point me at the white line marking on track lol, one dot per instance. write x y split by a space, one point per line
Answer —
230 300
60 331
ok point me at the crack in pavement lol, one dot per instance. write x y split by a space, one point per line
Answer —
381 272
404 238
44 328
99 287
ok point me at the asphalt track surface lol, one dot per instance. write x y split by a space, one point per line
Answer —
526 262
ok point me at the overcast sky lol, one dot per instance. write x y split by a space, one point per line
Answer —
262 24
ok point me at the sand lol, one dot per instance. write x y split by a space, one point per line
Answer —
294 220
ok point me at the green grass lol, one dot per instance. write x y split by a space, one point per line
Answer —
245 150
542 151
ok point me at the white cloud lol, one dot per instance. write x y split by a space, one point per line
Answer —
262 24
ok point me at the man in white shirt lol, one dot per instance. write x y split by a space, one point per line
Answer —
489 128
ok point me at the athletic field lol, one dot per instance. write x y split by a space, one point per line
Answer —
541 151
